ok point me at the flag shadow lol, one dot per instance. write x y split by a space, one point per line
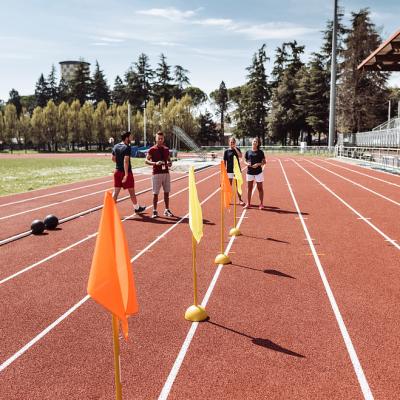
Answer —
267 238
280 211
265 271
266 343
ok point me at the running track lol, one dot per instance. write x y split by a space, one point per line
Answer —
308 309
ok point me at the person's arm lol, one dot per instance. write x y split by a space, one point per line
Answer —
126 168
238 152
246 160
150 162
113 156
263 161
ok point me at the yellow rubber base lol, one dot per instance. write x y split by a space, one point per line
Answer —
222 259
196 314
235 232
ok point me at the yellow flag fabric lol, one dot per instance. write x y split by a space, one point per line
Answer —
195 213
238 175
111 282
225 186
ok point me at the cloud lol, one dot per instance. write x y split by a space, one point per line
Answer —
275 30
111 40
170 13
222 22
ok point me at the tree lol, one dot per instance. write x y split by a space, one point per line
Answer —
64 91
163 89
258 94
362 95
73 123
24 127
63 131
281 60
52 85
11 124
142 88
38 126
100 89
197 95
86 123
28 103
42 92
208 132
81 83
2 131
99 124
181 76
221 100
118 93
16 100
50 114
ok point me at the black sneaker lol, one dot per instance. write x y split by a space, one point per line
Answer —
140 209
155 214
168 213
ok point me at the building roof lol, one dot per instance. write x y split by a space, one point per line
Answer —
74 62
386 57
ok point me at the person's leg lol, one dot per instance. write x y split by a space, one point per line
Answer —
116 193
133 196
166 200
260 192
249 191
155 201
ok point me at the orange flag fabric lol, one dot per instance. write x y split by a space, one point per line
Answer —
111 282
225 186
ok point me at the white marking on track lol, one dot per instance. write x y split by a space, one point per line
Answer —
83 240
356 184
182 353
362 380
375 228
44 332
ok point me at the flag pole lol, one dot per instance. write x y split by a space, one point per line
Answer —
195 313
234 231
222 258
117 371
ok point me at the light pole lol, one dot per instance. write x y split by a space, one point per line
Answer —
129 116
144 125
332 102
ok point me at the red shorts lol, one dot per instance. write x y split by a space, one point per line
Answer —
130 182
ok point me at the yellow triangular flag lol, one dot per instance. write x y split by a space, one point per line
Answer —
238 175
195 214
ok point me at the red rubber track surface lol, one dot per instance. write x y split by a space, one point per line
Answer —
376 173
272 332
62 205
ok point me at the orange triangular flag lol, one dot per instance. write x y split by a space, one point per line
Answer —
111 282
225 186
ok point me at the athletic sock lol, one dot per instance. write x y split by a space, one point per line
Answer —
136 206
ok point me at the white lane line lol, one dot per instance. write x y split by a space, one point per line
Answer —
367 167
84 240
375 228
53 194
43 333
185 346
362 380
356 184
62 202
361 173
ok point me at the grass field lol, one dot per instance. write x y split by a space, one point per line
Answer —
28 174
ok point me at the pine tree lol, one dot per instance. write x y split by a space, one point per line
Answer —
52 85
362 95
81 83
64 91
16 100
221 101
281 60
100 89
119 92
145 76
208 132
259 94
42 92
163 89
196 94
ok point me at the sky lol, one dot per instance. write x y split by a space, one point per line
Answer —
215 40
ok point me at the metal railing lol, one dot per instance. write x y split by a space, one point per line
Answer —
384 158
279 149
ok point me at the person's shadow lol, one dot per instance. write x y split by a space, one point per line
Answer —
280 211
266 343
162 220
265 271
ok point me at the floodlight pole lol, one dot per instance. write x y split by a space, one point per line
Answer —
332 102
144 125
